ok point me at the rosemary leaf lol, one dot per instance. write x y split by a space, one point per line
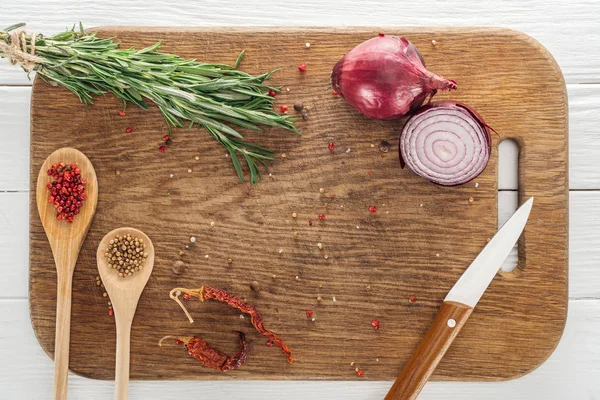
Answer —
218 97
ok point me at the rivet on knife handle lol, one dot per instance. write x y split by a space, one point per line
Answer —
448 322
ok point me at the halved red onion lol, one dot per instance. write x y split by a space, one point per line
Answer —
445 142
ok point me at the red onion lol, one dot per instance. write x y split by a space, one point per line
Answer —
445 142
385 78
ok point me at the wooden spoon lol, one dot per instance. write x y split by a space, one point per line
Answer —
124 295
65 241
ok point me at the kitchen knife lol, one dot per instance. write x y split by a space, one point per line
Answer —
457 307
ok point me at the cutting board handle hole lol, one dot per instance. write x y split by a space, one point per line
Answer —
508 196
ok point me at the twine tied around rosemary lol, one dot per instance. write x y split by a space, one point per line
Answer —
16 51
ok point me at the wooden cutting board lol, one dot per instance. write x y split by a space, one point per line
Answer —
418 243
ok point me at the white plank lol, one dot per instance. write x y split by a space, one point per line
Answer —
569 29
570 373
584 245
508 202
584 138
14 245
14 138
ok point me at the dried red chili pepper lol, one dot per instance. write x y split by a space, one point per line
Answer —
207 292
211 357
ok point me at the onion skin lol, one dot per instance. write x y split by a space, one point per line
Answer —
417 146
385 78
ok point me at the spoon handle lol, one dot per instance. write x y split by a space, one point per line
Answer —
122 362
62 336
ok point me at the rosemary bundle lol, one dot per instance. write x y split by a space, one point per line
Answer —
217 97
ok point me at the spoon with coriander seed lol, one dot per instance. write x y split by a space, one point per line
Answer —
66 195
125 259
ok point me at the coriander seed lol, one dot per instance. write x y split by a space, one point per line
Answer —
126 254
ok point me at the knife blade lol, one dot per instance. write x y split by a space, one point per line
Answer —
457 307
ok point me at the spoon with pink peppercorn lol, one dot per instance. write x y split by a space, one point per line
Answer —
66 197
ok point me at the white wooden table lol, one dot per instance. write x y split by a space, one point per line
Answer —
569 29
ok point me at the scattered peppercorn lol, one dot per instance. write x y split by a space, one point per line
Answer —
122 113
110 312
375 324
309 313
270 343
322 217
284 108
412 299
255 286
126 254
162 149
186 296
67 190
129 130
166 137
298 106
178 267
272 93
384 146
373 209
309 222
302 67
360 372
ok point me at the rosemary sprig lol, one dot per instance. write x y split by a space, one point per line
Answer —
218 97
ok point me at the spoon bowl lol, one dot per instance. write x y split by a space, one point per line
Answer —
66 239
124 293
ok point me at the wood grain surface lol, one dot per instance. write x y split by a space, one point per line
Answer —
418 243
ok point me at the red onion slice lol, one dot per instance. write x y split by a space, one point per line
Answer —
445 142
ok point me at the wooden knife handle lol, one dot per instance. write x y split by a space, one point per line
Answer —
448 322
